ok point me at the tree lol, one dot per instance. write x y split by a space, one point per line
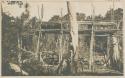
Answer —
118 14
55 18
10 29
80 16
88 18
99 17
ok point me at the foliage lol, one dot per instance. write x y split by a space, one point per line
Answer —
55 18
9 32
118 14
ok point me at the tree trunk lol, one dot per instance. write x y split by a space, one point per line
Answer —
74 36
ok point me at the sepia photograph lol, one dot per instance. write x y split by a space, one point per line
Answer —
61 38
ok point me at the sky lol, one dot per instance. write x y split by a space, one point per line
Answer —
53 7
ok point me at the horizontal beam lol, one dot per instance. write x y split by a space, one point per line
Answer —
79 30
97 35
83 22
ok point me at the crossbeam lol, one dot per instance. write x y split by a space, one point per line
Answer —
98 35
84 22
47 30
66 31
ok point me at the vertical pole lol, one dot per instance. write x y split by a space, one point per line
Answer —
42 12
91 61
112 14
37 48
39 36
61 48
41 59
38 12
116 54
19 53
91 50
108 50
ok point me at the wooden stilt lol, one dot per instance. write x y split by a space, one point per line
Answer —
19 54
108 51
91 50
38 55
61 35
91 60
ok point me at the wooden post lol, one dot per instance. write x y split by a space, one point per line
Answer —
108 51
19 53
91 60
112 14
38 55
116 53
61 48
91 50
37 47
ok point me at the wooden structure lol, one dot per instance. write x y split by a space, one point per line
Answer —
70 31
101 29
